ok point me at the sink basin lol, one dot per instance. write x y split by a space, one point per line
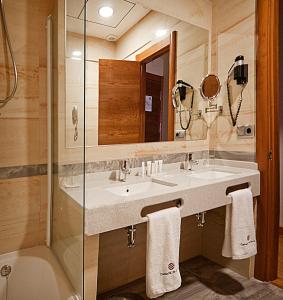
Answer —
135 189
210 174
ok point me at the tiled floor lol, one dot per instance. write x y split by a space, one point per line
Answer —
203 279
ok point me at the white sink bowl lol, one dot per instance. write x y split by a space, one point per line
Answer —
210 174
135 189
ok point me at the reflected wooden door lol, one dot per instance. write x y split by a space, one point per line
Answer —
153 123
120 111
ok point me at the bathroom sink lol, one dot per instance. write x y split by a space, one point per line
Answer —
210 174
137 188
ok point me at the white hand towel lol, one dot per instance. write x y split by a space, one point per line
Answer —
240 236
162 257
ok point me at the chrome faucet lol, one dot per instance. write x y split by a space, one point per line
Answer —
124 170
189 162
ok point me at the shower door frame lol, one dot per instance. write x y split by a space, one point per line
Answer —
267 139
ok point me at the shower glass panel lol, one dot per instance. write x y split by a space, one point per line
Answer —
69 140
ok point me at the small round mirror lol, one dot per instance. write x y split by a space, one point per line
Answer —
210 87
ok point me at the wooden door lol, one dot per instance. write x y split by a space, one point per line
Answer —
153 116
166 45
120 110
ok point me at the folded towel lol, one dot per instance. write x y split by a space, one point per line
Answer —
240 237
162 257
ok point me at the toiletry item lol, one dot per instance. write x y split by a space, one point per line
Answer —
143 169
160 166
148 168
162 267
240 237
156 166
153 168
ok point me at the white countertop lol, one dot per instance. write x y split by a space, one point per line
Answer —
107 211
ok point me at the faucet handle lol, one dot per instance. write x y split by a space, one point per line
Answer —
189 156
125 166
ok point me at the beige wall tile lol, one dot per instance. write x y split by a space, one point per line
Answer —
228 13
197 12
23 201
22 210
234 34
20 142
21 117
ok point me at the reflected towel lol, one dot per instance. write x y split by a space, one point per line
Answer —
162 257
240 237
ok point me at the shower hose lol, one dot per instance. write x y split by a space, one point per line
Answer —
4 101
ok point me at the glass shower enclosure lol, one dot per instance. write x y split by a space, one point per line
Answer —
68 155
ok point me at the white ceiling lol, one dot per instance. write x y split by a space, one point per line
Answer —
126 14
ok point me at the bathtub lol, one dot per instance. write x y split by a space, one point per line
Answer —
35 275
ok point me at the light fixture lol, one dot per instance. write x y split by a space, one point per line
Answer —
77 53
111 38
160 32
106 11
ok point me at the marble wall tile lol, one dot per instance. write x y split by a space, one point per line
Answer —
234 34
233 155
110 165
22 171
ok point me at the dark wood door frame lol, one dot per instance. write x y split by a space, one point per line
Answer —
167 45
267 138
159 80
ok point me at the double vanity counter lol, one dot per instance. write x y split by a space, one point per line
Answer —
111 204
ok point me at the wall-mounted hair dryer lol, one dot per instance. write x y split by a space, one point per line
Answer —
179 94
239 72
181 89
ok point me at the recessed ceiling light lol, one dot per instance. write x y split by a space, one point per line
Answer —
111 38
160 32
106 11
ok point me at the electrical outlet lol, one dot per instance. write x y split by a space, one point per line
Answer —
180 134
246 131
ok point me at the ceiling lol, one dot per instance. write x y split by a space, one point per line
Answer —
126 15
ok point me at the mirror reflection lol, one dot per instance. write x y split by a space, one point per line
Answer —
210 87
134 58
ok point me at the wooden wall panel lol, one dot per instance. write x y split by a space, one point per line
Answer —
212 242
127 264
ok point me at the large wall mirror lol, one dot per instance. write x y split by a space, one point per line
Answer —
134 58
